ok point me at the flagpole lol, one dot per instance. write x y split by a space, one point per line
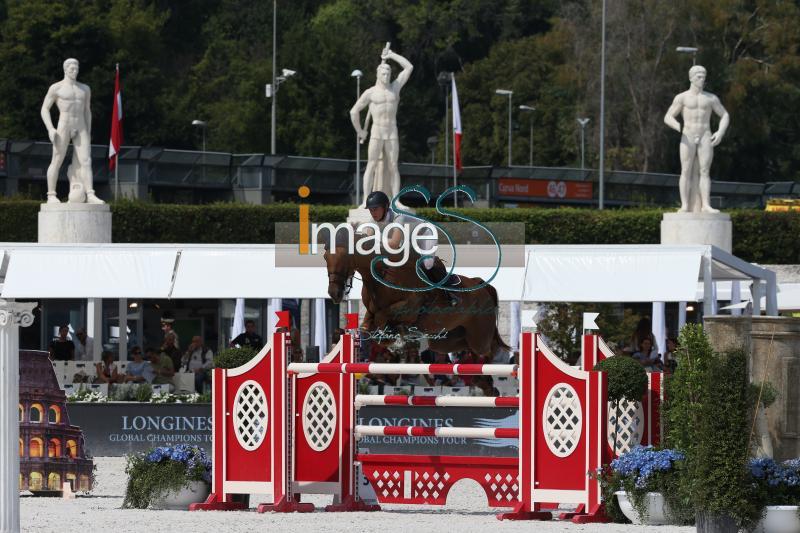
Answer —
453 133
116 163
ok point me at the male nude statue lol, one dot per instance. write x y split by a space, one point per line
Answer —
74 124
384 142
697 141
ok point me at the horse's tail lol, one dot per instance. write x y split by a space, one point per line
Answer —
497 341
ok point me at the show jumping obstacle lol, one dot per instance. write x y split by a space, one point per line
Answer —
288 429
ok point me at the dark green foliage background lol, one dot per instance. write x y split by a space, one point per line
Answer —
210 60
759 236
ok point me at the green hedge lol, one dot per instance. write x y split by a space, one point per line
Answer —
758 236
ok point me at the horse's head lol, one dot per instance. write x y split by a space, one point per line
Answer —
340 269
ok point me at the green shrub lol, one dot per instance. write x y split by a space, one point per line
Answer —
627 380
708 413
143 222
233 357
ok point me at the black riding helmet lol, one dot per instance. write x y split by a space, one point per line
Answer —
377 199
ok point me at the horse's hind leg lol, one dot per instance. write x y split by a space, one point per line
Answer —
479 337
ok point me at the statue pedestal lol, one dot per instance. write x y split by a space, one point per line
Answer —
74 223
698 228
359 215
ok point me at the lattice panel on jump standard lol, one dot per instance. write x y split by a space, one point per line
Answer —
388 484
319 416
631 425
562 420
250 415
503 487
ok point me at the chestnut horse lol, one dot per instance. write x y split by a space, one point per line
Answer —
472 325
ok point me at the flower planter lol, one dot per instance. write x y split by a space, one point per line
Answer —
196 492
657 509
780 519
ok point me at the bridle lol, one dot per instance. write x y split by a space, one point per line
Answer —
341 279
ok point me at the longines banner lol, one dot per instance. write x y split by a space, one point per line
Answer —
115 429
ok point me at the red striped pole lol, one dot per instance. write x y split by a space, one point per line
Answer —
437 401
419 431
408 369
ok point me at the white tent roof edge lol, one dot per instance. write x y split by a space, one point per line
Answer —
623 273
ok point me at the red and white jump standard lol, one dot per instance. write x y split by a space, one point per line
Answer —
290 429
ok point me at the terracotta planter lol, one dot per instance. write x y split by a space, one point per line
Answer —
657 509
780 519
196 492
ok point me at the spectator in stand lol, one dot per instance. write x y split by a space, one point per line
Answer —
337 334
198 359
670 356
84 347
486 385
644 330
61 348
107 369
648 356
381 379
415 380
249 338
162 367
167 324
445 380
468 358
170 348
138 370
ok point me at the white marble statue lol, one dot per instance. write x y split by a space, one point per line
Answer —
697 141
381 173
73 100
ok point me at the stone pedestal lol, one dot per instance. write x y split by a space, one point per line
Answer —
698 228
773 344
74 223
359 215
12 317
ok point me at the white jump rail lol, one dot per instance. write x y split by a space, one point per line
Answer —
436 401
400 369
420 431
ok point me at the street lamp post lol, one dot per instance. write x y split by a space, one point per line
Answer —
601 177
583 121
272 92
689 50
443 78
202 125
530 135
432 142
506 92
357 74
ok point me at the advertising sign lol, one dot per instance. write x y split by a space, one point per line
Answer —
116 429
556 189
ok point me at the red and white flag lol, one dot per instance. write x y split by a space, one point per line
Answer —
456 128
116 125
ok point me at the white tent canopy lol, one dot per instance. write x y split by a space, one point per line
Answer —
557 273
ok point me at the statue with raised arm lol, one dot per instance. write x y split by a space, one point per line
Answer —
697 142
382 100
73 100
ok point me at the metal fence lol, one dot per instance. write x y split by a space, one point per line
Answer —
181 176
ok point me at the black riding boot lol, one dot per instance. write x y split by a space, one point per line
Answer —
436 274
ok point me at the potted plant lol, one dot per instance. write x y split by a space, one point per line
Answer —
708 415
167 478
644 482
778 487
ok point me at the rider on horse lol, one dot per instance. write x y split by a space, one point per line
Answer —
378 205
